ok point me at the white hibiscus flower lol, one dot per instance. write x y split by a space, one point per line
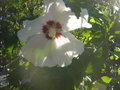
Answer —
48 40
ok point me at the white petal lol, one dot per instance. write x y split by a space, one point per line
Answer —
84 23
30 28
84 19
68 47
69 21
76 44
72 24
59 3
84 13
37 49
52 8
59 12
59 52
33 27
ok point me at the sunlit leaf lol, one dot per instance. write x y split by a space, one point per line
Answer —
106 79
119 71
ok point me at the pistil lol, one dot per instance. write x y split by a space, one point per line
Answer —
52 29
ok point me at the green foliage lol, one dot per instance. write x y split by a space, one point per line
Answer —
106 79
100 61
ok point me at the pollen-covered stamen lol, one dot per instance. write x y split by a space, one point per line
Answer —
52 29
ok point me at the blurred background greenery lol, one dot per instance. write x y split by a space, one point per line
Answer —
98 67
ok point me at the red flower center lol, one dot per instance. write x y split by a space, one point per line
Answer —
52 29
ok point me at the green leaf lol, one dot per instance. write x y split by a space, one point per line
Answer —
119 71
10 49
117 32
106 79
89 68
